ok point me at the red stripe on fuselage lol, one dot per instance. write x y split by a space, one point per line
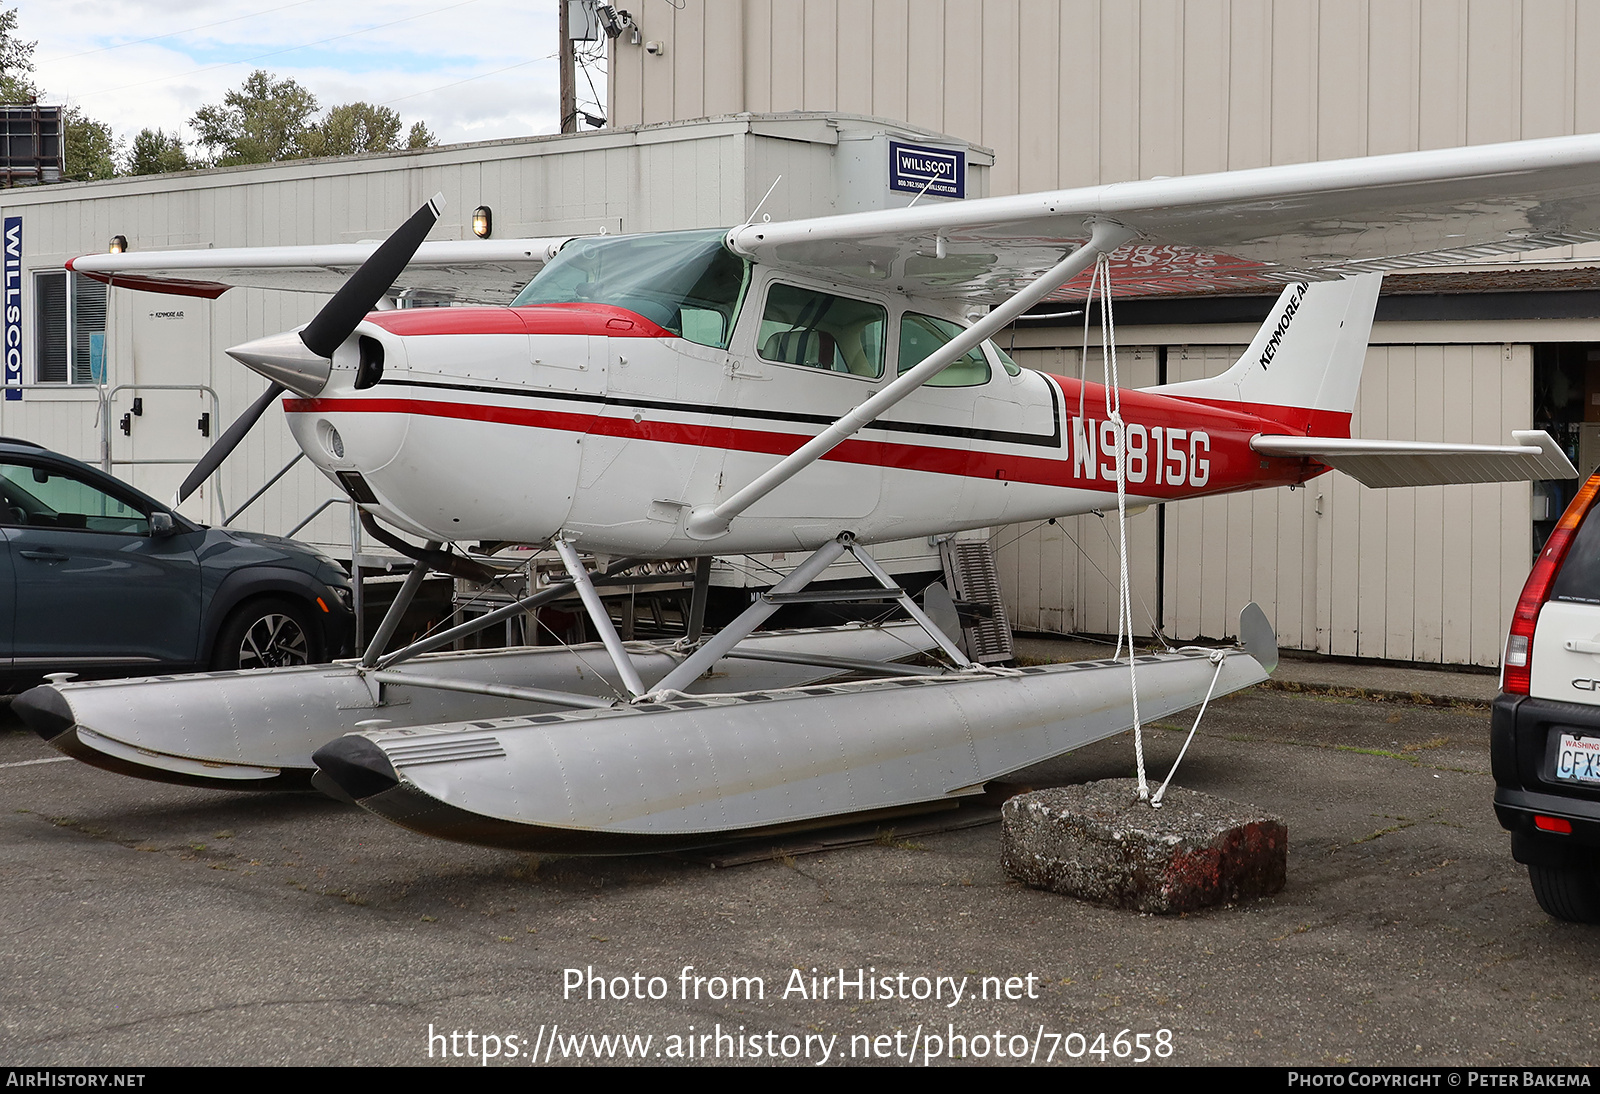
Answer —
1233 466
596 319
1294 419
1152 408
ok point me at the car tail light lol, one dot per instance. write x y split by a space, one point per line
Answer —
1519 645
1553 824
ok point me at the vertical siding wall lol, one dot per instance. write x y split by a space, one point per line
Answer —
1075 92
1412 574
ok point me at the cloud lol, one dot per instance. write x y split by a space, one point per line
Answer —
442 67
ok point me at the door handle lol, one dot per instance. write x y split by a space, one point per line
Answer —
44 556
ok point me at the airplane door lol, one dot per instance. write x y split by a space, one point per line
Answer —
815 356
938 416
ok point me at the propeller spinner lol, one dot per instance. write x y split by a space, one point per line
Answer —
301 361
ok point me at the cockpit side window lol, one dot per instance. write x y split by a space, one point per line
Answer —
822 331
920 335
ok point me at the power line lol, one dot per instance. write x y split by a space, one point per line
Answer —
173 33
468 80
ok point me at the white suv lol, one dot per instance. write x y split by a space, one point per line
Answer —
1545 734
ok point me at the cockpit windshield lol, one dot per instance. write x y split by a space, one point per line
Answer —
685 282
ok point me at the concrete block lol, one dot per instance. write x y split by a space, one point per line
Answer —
1098 842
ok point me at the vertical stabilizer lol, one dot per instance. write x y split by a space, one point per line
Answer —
1304 365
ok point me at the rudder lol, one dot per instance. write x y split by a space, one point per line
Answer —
1304 365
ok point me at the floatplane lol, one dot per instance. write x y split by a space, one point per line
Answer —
817 386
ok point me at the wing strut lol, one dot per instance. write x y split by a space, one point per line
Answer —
709 522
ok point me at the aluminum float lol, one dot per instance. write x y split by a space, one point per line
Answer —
689 771
257 729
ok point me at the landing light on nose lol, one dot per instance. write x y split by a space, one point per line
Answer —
284 358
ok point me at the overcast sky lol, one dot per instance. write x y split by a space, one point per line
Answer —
471 69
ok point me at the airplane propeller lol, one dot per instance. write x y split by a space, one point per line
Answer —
359 295
301 362
227 442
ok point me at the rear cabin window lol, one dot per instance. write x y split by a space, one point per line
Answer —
1011 367
822 331
920 335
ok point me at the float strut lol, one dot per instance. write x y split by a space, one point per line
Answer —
473 626
402 601
602 621
697 599
871 566
701 660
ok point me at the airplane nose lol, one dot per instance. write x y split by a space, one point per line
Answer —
285 359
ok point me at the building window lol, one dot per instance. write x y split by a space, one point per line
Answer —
70 314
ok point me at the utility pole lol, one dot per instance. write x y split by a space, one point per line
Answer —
569 87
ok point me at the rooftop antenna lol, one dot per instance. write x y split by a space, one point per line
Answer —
932 179
751 219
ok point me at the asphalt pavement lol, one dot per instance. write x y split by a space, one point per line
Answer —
146 924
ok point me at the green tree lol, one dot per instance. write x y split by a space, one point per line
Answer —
420 137
16 62
90 150
356 127
155 152
263 120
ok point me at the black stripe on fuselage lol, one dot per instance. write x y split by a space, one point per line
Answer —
1050 440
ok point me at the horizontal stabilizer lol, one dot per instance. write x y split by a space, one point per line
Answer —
1427 463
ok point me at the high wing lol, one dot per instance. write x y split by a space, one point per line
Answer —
1233 231
488 271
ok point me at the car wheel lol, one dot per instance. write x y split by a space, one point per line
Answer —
1567 892
266 634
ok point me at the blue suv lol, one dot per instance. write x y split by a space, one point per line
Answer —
99 579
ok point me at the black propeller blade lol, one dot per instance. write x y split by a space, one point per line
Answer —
226 443
359 295
327 332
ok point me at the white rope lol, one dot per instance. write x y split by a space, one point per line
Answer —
1083 359
1113 394
1217 656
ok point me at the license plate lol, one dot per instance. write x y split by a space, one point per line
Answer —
1577 759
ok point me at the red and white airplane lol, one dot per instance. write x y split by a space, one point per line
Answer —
815 385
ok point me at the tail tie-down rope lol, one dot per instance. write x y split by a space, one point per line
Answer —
1101 279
